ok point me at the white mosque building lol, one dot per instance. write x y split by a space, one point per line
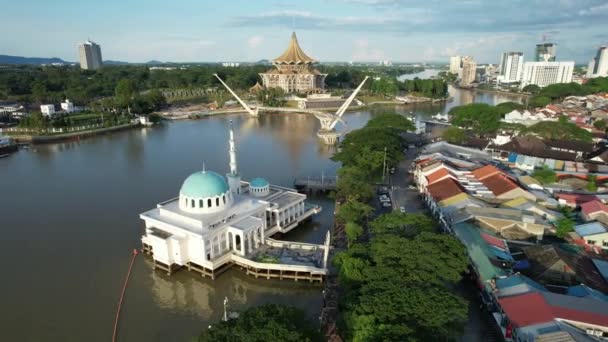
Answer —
216 222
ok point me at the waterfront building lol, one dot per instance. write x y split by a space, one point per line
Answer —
67 106
216 222
90 55
598 66
47 109
545 52
545 73
455 65
294 71
468 72
511 67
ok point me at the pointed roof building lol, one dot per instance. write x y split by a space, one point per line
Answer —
294 71
294 54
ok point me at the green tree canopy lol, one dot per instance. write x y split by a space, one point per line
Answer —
454 135
507 107
545 175
561 129
125 92
564 226
539 101
600 124
532 89
272 97
401 224
353 211
481 118
393 121
262 324
352 184
353 232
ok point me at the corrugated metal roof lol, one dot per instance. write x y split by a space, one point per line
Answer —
602 267
590 228
478 251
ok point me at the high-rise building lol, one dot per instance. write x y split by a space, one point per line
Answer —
545 52
545 73
90 55
511 67
469 71
598 66
455 62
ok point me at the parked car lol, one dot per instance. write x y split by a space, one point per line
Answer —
402 209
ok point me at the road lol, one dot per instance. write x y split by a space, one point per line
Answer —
400 194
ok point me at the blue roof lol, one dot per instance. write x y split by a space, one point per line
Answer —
258 182
602 267
518 284
584 291
204 184
590 228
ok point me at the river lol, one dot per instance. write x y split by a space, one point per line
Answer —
69 220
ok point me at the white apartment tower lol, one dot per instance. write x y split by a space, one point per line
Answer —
545 73
468 72
455 65
598 66
90 55
511 67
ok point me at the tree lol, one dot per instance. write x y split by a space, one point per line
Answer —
507 107
353 232
124 92
532 89
392 121
539 101
563 226
401 224
39 92
264 323
561 129
353 211
35 121
545 175
352 184
600 124
481 118
454 135
592 183
272 97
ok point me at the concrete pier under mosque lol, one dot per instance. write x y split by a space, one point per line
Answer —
219 222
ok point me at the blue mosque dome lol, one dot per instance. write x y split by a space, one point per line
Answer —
204 184
258 182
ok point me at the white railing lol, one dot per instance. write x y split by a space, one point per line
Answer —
277 267
290 244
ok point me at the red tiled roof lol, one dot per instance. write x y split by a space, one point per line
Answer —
577 199
593 207
499 184
527 309
437 175
444 189
535 308
485 172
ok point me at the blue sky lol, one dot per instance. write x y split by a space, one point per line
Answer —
329 30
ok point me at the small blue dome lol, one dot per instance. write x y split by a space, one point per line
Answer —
258 182
204 184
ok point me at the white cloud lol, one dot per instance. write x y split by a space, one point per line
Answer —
255 41
363 52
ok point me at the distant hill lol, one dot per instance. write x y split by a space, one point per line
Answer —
6 59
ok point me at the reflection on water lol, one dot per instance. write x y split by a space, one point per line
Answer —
70 214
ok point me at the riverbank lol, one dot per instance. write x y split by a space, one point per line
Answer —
498 92
42 139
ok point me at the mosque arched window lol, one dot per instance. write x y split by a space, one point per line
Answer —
209 203
200 203
192 204
217 201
